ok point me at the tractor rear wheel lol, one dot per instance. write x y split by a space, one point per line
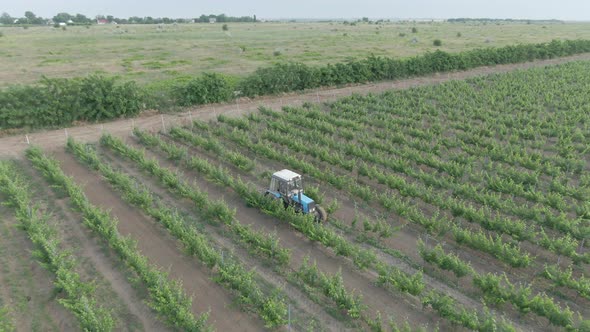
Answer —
320 214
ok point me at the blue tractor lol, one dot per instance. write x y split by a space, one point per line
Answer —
287 186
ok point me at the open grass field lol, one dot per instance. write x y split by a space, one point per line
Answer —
147 53
456 206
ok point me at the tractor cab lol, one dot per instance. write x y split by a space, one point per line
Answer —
286 182
287 186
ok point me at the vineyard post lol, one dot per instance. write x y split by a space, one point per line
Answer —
163 124
190 116
66 131
102 128
317 94
237 95
27 137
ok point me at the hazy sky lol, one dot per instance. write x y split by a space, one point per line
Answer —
530 9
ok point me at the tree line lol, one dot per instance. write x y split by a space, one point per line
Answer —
31 18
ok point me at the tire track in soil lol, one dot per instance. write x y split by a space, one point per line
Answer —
89 248
310 308
15 145
162 250
378 299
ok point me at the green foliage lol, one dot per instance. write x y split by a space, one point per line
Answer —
205 89
493 245
449 309
60 102
443 260
413 284
498 289
332 286
313 192
6 324
437 42
212 145
565 278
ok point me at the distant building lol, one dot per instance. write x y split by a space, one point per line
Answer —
212 20
101 21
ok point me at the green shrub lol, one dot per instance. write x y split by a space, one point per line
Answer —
437 42
208 88
414 30
59 102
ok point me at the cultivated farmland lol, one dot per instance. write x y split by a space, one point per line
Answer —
457 206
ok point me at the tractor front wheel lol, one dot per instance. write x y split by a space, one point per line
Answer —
320 214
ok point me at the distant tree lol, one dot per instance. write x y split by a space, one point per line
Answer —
437 42
224 27
62 17
31 18
365 19
5 18
81 19
254 18
414 30
135 19
110 18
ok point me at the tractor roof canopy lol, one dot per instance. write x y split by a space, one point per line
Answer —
286 175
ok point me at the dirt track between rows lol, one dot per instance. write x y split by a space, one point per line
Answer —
13 146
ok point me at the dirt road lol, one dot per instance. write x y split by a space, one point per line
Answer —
13 146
